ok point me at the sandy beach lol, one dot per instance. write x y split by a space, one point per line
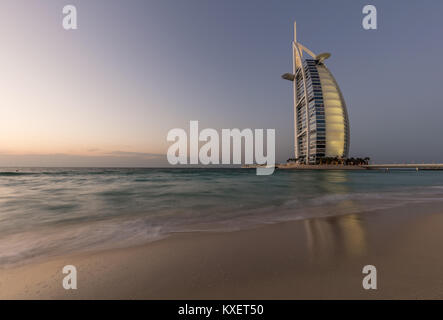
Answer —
318 258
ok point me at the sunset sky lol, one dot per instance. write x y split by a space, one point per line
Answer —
108 93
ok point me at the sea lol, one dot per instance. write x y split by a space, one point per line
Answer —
54 211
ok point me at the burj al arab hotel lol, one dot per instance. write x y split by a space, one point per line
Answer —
321 121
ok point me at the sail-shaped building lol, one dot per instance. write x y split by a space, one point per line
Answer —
321 123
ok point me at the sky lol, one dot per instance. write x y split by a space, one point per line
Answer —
107 93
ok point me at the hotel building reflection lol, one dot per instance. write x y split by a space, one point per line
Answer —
340 234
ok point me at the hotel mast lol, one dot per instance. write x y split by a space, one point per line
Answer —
321 124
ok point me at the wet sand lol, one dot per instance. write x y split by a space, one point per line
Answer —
319 258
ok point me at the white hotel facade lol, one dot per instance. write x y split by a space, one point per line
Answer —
320 116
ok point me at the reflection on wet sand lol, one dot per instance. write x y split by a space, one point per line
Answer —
342 235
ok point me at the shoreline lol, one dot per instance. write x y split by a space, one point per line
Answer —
317 258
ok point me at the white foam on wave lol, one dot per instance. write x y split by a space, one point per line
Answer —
129 230
23 246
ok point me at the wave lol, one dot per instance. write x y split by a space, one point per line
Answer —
13 174
65 210
120 232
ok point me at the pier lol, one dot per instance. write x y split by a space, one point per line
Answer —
387 166
417 166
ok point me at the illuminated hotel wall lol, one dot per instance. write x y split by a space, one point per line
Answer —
322 125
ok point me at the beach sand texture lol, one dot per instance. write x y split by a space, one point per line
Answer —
320 258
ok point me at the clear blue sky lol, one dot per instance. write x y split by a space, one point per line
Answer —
108 93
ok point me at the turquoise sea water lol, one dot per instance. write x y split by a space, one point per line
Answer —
50 211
